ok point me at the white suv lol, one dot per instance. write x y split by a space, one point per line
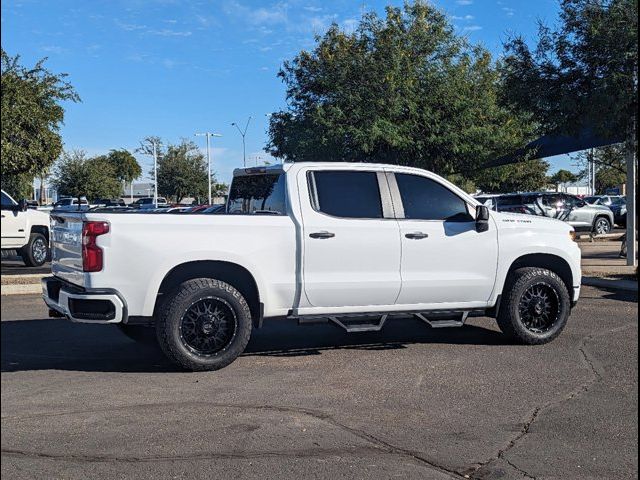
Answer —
25 230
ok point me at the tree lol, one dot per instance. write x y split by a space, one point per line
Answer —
31 116
18 186
524 176
404 90
77 175
124 164
562 177
182 171
610 166
583 74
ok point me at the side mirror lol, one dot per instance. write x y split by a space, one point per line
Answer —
22 205
482 218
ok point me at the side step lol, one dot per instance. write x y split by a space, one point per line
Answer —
353 327
435 323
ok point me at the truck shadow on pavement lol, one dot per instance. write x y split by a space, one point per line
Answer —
56 344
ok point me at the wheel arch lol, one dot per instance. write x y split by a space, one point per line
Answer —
43 229
235 275
549 261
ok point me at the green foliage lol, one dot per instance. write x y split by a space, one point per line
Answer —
31 116
18 186
524 176
125 165
77 175
562 177
610 166
182 171
582 74
404 89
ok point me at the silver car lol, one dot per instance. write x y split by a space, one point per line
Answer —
563 206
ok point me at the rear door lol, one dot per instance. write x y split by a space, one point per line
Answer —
445 261
351 240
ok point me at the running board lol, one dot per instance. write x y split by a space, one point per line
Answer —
434 323
367 322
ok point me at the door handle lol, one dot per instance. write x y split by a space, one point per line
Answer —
322 235
416 235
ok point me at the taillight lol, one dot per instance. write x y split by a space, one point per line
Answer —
91 252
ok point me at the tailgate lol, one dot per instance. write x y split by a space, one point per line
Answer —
66 247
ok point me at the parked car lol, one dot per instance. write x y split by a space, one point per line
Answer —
69 203
562 206
617 204
215 209
347 243
148 202
110 202
25 230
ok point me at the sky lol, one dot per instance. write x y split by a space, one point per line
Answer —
172 68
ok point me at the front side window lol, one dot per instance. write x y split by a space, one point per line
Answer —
346 194
426 199
6 200
258 194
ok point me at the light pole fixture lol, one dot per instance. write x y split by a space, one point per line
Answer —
208 135
243 133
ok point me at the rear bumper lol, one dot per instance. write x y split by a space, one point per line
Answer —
81 305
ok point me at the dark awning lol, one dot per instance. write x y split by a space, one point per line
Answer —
551 145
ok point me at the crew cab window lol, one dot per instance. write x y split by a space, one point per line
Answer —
346 194
258 194
426 199
6 200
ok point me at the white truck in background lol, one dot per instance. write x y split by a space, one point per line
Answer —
348 243
25 230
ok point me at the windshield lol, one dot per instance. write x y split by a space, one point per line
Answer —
257 194
7 201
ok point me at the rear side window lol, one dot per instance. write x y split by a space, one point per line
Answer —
346 194
258 194
426 199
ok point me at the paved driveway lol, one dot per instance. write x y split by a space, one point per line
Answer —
83 402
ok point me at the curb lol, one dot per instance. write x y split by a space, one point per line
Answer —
625 285
24 279
27 289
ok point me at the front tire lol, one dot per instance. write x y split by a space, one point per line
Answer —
535 306
205 324
36 252
601 226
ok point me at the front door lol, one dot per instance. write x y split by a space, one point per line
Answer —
351 241
446 263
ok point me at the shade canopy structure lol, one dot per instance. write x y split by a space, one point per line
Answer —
551 145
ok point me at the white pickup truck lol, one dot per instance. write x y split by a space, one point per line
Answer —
25 230
347 243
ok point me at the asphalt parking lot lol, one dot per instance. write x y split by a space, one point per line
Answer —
83 401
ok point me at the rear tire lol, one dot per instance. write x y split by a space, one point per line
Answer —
535 306
205 324
36 252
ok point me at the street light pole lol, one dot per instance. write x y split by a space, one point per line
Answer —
243 133
208 135
155 176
